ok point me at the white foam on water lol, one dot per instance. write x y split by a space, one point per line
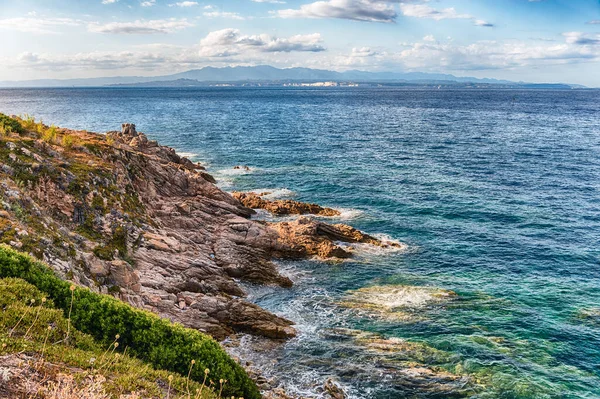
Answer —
390 246
348 213
274 193
345 214
189 155
237 172
224 183
390 297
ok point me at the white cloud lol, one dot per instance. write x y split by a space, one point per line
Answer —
230 42
269 1
224 47
148 3
425 11
95 61
581 38
358 10
223 14
363 52
109 1
430 56
481 22
37 25
184 4
141 26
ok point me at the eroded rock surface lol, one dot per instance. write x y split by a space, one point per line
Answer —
122 214
282 207
308 237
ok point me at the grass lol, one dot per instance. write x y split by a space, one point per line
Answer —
94 319
69 141
34 327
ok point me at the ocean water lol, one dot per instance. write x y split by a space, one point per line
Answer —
495 192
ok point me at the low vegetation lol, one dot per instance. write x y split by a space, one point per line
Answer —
65 324
9 125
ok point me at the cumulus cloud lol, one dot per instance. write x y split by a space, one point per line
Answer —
374 11
229 42
148 3
37 25
109 1
91 60
362 52
144 27
358 10
581 38
434 56
425 11
218 48
481 22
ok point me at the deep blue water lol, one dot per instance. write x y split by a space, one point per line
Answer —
496 193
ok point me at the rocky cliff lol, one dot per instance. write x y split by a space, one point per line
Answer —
124 215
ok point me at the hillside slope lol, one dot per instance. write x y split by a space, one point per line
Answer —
121 214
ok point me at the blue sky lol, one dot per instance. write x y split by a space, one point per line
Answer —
522 40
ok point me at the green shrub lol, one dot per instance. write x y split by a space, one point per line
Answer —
68 140
164 344
118 242
49 134
28 324
28 122
9 125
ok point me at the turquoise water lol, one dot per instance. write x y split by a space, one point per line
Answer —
496 193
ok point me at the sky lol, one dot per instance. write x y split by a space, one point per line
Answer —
519 40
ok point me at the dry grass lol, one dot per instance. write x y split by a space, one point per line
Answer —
37 361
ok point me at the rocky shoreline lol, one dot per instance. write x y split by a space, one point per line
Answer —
124 215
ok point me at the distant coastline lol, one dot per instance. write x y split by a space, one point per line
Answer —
259 76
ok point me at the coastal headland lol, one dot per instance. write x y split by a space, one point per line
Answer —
125 216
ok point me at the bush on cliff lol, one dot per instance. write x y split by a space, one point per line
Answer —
164 344
37 361
9 125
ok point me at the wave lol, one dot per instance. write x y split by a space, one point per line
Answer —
389 246
274 193
244 170
189 155
345 214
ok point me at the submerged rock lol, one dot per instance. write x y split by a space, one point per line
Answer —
396 302
589 315
334 390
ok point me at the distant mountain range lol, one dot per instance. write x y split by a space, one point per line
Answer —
274 76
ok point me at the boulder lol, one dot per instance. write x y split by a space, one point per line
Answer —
282 207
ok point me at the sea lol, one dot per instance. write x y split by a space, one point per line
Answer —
495 194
